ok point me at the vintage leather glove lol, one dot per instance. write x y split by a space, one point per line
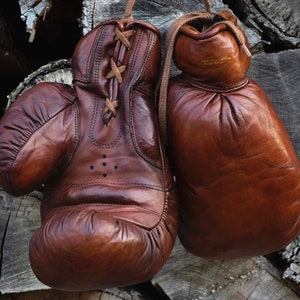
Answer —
237 173
109 216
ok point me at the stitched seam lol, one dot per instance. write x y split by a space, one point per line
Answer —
164 215
93 124
109 183
132 131
219 90
93 54
76 134
74 206
34 131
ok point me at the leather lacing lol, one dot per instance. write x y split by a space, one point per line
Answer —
117 69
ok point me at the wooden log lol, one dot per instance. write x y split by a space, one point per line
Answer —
285 15
188 277
53 28
277 22
183 277
278 74
55 71
160 13
19 218
48 18
291 273
32 33
31 12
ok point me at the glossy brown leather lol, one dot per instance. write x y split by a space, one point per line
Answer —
109 215
237 173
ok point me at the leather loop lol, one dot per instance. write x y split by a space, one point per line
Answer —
208 6
128 9
170 41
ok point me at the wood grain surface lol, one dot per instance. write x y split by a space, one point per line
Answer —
273 28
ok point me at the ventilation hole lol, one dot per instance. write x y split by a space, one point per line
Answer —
104 175
104 164
92 167
116 167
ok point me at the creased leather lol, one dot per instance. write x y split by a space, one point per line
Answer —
109 215
237 173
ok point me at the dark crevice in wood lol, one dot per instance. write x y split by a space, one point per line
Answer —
277 261
56 38
148 291
2 244
93 24
282 265
239 8
263 14
249 12
14 64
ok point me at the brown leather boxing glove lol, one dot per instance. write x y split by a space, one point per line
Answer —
236 170
109 216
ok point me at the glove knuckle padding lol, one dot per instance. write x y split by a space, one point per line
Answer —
38 135
109 210
236 170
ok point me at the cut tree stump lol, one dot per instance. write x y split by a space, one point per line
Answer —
277 22
160 13
278 74
56 71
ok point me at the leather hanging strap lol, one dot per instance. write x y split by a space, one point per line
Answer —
206 16
207 6
128 9
169 46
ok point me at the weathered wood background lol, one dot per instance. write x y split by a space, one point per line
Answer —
36 43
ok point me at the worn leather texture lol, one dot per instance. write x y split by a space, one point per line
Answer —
237 173
109 215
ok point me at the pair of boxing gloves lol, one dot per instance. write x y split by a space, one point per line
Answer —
109 213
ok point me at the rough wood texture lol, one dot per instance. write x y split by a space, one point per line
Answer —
53 28
277 22
278 74
283 14
31 12
188 277
56 71
19 219
184 276
160 13
291 255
